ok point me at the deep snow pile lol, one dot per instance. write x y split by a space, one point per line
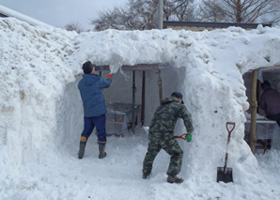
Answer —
38 65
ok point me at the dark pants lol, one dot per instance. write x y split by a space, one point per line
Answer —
99 123
168 143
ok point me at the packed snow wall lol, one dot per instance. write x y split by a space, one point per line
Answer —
33 80
40 68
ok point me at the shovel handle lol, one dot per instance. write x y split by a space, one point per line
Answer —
182 136
228 125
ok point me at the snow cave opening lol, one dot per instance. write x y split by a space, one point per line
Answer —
267 131
70 107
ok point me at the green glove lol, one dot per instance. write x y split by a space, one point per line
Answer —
188 137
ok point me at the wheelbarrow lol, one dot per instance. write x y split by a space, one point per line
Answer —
224 173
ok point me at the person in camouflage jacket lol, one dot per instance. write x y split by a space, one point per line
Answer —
161 136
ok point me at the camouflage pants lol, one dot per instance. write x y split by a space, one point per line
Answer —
167 142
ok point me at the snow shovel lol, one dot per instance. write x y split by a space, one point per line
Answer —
223 173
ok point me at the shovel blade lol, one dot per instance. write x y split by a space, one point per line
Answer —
224 174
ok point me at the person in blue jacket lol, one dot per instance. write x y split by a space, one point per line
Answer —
91 90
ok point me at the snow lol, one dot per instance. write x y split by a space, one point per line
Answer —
41 117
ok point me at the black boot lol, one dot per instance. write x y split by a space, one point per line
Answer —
83 143
174 179
145 175
102 152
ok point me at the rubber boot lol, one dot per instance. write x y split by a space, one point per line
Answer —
83 143
102 152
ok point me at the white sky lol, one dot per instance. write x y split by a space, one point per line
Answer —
61 12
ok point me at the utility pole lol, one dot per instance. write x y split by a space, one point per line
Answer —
160 14
160 26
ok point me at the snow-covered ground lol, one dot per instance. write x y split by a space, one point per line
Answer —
63 176
41 117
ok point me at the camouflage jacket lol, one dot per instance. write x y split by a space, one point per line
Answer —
167 114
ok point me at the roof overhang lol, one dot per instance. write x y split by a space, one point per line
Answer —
212 25
138 67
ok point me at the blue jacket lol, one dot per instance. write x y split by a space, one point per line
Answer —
90 87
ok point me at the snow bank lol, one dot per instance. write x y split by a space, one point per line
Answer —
40 68
33 80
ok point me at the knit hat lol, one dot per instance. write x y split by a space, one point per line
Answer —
177 95
87 67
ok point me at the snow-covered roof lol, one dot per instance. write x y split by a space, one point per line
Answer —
7 12
210 25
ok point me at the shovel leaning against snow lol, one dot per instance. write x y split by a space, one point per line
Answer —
223 173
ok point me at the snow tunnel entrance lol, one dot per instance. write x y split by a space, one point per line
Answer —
134 95
119 101
267 131
126 99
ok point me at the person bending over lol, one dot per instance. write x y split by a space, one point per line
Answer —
161 136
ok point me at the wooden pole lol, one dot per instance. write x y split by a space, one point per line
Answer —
133 101
143 97
160 86
160 26
254 107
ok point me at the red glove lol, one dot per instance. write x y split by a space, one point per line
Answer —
110 76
